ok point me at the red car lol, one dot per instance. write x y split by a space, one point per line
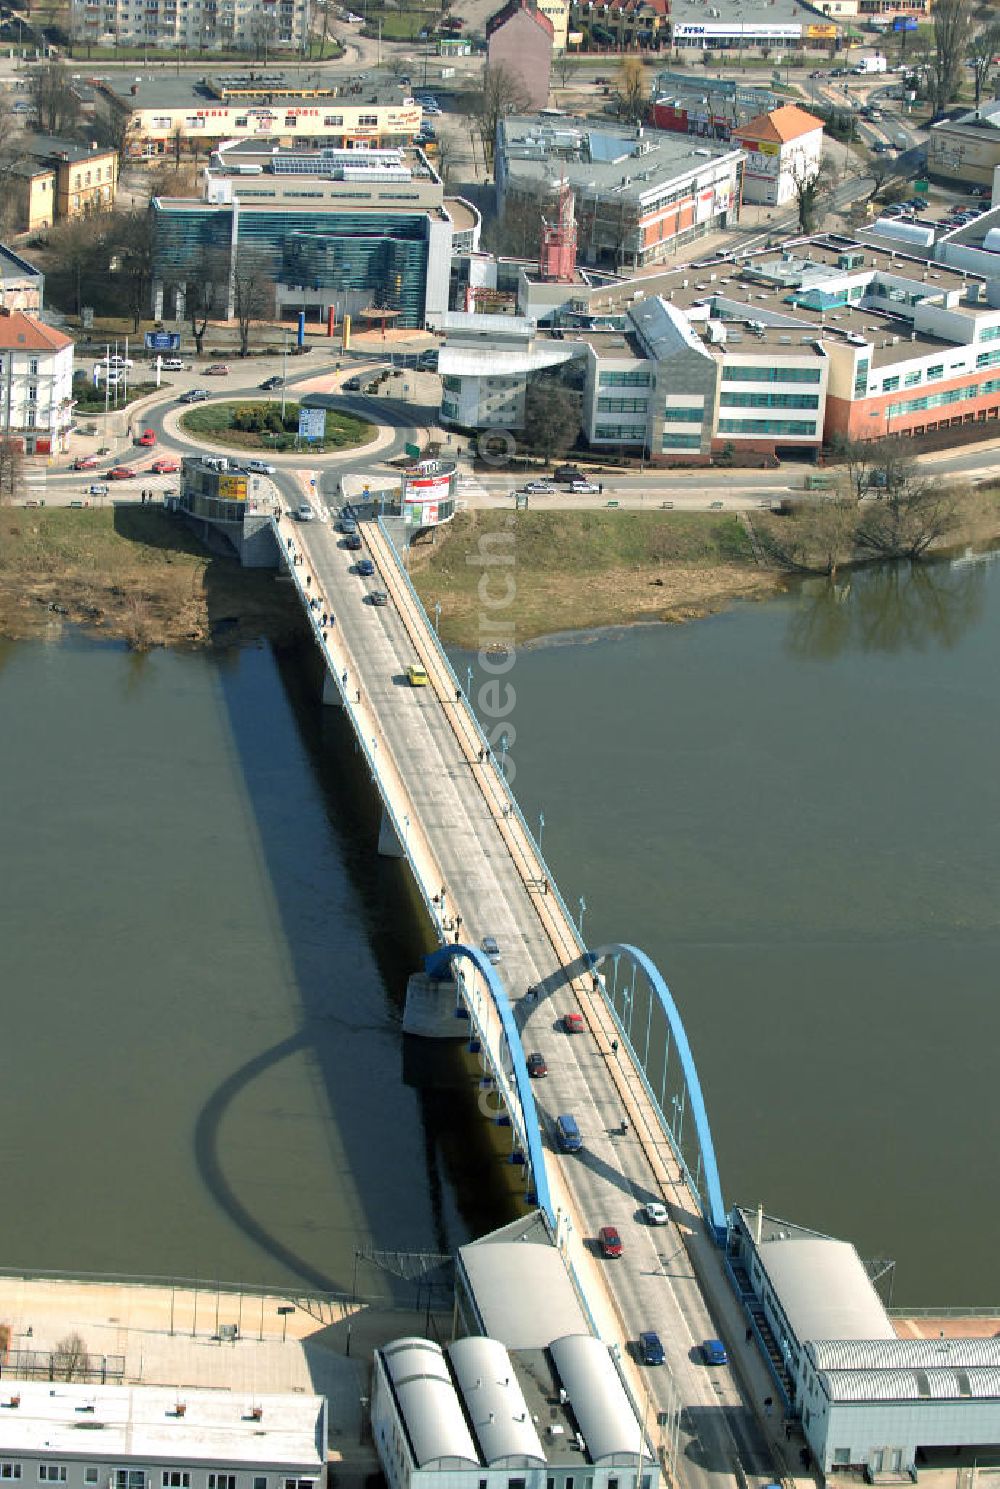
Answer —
122 473
609 1241
537 1066
85 462
165 467
217 369
573 1023
147 437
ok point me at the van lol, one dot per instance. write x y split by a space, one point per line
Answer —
568 1135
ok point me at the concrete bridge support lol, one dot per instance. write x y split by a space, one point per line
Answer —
331 692
433 1008
389 845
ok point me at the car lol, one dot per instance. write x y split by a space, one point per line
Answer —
353 542
879 147
352 385
536 1065
377 597
432 108
713 1352
84 462
165 467
567 473
97 488
364 567
172 364
271 382
489 945
259 468
568 1134
193 395
114 362
146 438
656 1212
417 677
580 488
122 473
573 1023
816 74
650 1348
304 513
538 487
609 1241
217 369
347 523
428 361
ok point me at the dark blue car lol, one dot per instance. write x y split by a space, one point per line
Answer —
650 1348
364 567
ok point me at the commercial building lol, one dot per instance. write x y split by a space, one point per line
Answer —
344 229
868 1401
520 39
784 149
22 286
557 12
640 194
966 149
708 107
626 25
200 24
52 179
36 383
159 112
774 26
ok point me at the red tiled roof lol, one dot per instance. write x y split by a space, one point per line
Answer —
20 333
784 124
509 11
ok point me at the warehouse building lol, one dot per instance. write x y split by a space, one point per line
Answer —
774 26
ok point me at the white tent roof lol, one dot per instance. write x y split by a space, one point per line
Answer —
494 1402
602 1409
428 1403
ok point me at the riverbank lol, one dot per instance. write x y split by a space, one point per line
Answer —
134 574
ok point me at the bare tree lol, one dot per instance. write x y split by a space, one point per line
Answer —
204 292
501 94
11 472
518 231
630 81
810 181
952 28
818 537
551 416
253 292
131 242
69 1358
906 518
566 67
985 46
56 105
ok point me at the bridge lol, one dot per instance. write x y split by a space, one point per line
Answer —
629 1077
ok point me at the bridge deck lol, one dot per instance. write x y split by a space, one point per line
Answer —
450 811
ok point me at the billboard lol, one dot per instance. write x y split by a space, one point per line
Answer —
312 423
232 488
163 341
904 23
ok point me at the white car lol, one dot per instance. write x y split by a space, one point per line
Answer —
172 364
117 361
261 468
656 1213
304 513
584 487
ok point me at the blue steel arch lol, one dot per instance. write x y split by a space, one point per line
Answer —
710 1168
436 965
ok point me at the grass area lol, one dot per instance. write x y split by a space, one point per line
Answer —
88 407
576 570
402 25
134 573
343 431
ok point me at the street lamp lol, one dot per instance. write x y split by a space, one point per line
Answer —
678 1123
437 617
284 371
583 905
541 829
503 754
468 685
284 1312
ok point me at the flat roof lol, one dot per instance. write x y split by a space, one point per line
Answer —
157 90
748 13
522 1291
142 1422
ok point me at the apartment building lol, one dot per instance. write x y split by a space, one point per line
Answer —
784 149
158 111
36 383
626 25
342 229
52 179
152 1437
520 40
640 194
202 25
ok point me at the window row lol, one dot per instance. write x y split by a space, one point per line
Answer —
634 434
738 374
681 442
138 1478
640 378
770 400
950 395
767 426
988 359
674 415
622 405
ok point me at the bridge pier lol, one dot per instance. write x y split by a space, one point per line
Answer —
332 696
389 845
432 1008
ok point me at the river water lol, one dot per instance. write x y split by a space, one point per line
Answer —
792 807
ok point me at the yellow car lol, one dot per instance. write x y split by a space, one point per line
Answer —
417 676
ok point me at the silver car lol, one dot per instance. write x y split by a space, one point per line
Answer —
304 513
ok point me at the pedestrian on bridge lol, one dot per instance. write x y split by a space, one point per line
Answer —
308 580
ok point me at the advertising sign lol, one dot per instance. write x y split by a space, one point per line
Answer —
312 423
233 488
163 341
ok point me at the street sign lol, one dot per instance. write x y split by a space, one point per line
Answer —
413 451
163 341
921 187
312 423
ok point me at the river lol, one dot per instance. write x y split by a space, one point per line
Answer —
792 807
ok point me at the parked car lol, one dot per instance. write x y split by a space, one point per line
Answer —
84 462
146 438
377 597
97 488
352 385
573 1023
122 473
879 147
217 369
172 364
417 677
271 382
304 513
165 466
536 1065
609 1241
656 1212
713 1352
193 395
650 1348
538 487
260 468
489 945
364 567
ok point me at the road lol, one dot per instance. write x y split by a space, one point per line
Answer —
449 791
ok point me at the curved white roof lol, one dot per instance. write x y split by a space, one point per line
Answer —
428 1403
487 361
911 1385
905 1354
906 232
495 1403
824 1290
602 1410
